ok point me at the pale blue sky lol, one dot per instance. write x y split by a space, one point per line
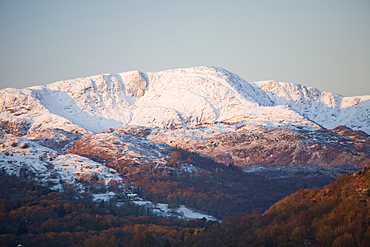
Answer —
319 43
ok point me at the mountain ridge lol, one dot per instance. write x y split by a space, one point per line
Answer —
178 98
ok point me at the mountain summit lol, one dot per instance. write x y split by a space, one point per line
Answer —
179 98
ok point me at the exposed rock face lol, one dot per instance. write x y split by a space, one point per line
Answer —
15 127
135 83
137 131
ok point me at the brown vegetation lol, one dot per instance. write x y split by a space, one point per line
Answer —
337 215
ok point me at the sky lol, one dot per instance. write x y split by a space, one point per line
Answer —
318 43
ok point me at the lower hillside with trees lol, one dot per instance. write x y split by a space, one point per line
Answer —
336 215
36 216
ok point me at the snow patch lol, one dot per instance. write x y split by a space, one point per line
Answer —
178 212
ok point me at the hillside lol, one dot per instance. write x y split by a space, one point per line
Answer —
276 147
336 215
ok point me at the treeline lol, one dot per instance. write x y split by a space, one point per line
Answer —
36 216
337 215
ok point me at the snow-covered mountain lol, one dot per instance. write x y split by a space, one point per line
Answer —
179 98
96 134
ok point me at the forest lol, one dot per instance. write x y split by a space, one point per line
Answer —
216 189
33 215
251 208
336 215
